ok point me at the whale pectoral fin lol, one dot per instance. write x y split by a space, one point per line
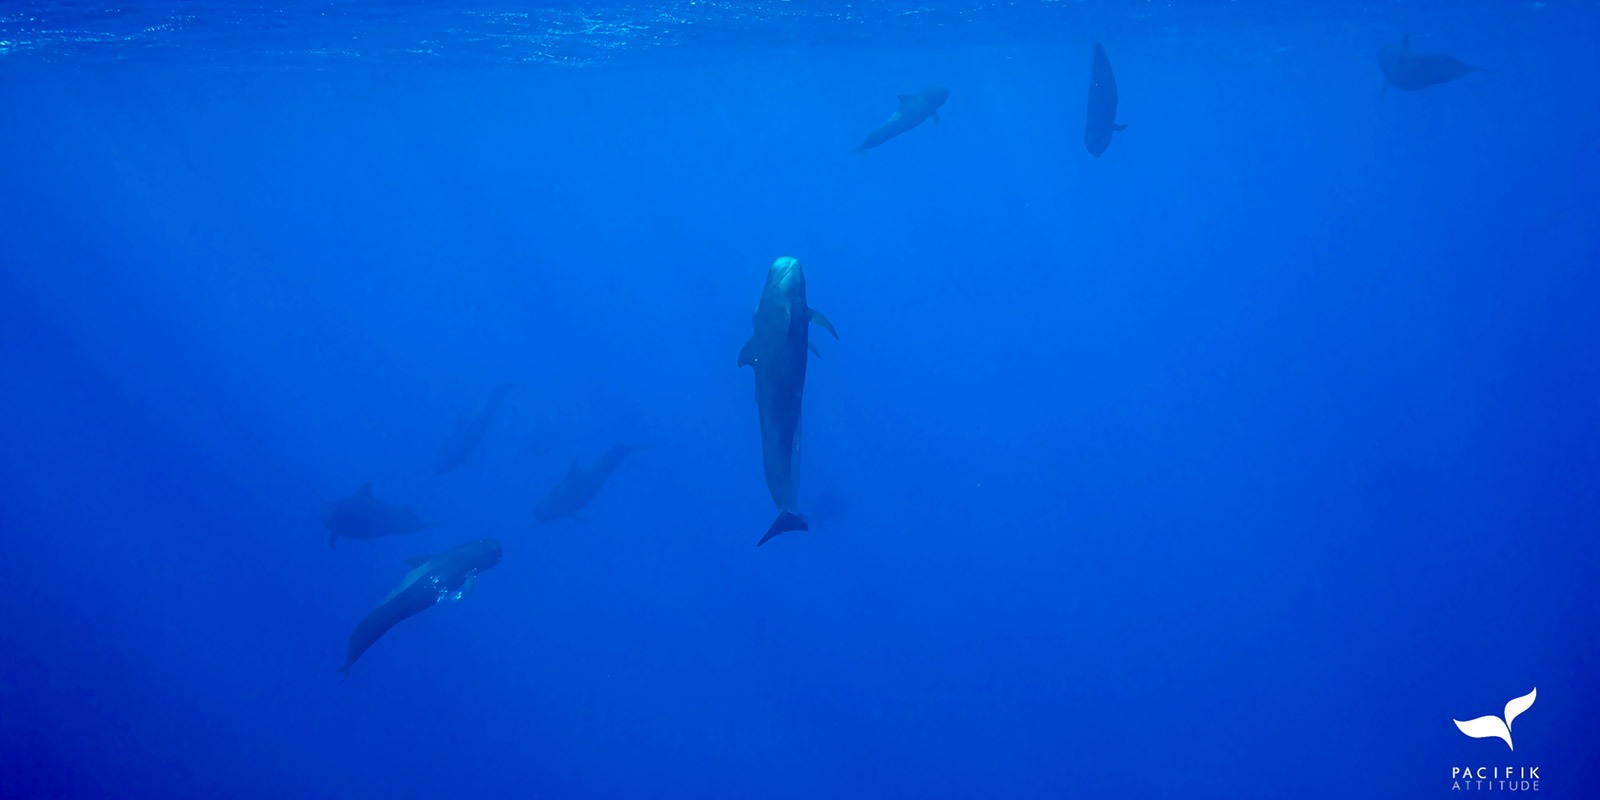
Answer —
417 561
333 539
812 346
466 587
935 116
818 318
747 354
1120 127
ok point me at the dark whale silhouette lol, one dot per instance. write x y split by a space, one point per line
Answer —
468 432
777 351
362 516
1404 68
1102 120
914 108
580 485
447 576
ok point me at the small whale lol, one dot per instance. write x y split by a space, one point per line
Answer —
1102 103
1404 68
468 432
447 576
580 485
914 108
362 516
777 351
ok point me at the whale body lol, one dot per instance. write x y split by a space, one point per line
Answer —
913 110
362 516
1404 68
580 485
777 352
468 432
1102 119
432 579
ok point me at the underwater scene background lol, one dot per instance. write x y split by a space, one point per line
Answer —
1237 461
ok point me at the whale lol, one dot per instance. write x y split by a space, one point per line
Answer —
580 485
1404 68
913 110
447 576
362 516
468 432
777 352
1102 118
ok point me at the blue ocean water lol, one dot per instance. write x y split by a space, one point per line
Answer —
1236 462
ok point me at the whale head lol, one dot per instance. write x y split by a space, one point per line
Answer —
786 275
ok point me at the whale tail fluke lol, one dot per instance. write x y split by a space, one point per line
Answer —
786 521
344 672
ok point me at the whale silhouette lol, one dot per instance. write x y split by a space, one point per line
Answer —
777 352
1404 68
447 576
913 110
1102 119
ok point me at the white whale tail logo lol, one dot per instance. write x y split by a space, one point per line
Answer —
1485 727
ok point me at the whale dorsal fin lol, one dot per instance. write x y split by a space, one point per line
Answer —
818 318
747 354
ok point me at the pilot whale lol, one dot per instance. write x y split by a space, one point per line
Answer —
777 352
468 432
1102 120
447 576
580 485
362 516
1404 68
914 108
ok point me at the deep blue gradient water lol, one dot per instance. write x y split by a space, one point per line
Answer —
1238 462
